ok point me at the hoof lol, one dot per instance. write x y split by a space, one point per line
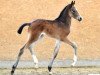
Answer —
50 73
74 61
36 66
49 68
72 65
12 72
13 69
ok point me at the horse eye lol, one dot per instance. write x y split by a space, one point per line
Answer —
73 11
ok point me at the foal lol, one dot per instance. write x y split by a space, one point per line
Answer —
58 29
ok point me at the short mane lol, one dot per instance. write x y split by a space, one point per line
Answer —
63 15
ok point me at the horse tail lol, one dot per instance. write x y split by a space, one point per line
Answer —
22 26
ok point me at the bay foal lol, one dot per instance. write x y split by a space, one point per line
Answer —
58 29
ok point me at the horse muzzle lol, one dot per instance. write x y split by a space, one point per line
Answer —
79 18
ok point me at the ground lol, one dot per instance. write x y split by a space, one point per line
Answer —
86 34
56 71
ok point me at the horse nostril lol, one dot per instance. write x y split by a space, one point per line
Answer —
80 19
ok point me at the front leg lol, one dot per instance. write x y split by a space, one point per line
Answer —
54 55
74 45
75 53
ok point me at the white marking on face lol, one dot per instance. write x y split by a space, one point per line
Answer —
78 17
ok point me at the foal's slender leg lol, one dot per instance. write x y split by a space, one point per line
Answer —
18 58
32 51
27 45
74 45
33 56
75 53
54 55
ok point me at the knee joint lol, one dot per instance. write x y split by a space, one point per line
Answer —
74 45
21 52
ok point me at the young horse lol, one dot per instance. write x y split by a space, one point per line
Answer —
58 29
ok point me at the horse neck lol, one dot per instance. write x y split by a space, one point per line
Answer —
65 19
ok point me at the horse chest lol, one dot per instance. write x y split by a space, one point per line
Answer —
64 31
61 33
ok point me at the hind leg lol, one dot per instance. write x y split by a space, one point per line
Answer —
32 51
18 58
34 38
31 39
33 56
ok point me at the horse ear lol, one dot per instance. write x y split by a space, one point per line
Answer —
72 3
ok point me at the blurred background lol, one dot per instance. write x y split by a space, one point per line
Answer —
86 34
